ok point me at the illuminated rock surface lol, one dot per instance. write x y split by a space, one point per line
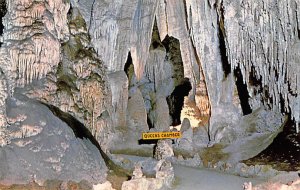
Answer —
225 72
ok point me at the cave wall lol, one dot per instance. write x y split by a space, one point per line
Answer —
216 38
46 56
45 46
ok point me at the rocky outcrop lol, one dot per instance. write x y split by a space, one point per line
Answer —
42 147
163 150
164 178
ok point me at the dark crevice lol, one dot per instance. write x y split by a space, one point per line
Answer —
186 15
82 132
282 104
128 63
128 67
242 92
92 15
256 83
149 122
155 40
69 14
252 78
3 11
267 96
176 100
284 152
222 44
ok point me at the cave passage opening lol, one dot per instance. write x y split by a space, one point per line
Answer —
176 100
182 85
242 92
129 69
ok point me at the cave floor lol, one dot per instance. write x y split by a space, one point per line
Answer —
204 179
189 178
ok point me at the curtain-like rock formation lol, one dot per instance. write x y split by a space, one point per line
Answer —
260 38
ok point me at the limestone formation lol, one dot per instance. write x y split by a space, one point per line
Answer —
104 186
163 149
137 172
119 90
143 184
164 177
165 171
185 143
124 67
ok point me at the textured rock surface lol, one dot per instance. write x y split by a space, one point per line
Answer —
207 33
256 132
42 147
124 67
268 42
163 150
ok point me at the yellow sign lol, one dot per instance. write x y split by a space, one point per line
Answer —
161 135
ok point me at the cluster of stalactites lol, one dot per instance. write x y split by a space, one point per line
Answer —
33 30
263 35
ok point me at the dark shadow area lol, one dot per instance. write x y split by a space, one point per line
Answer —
128 64
155 40
282 104
129 68
150 141
243 92
176 100
82 132
3 11
266 96
253 81
70 12
222 45
172 46
182 85
149 122
284 152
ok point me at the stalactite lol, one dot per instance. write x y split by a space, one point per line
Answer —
266 42
34 48
92 99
